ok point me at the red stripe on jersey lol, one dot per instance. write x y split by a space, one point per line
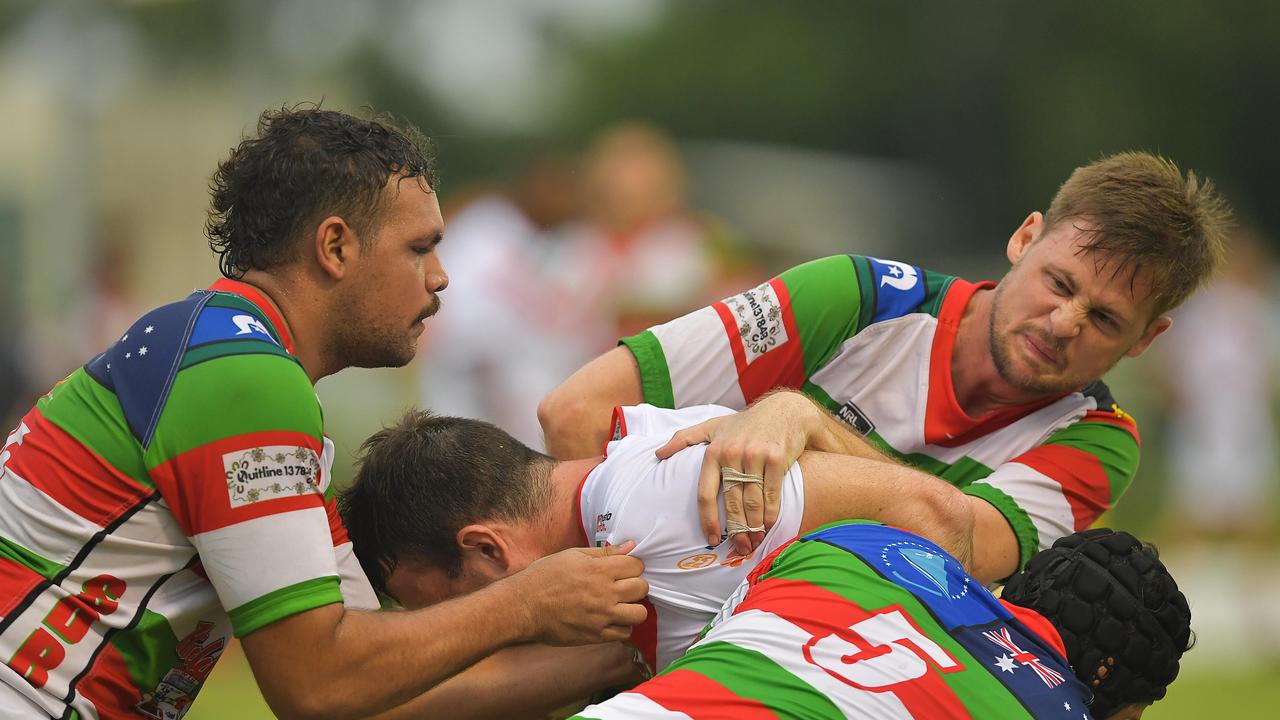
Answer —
109 685
945 422
1039 625
766 563
617 428
1084 482
1108 417
701 698
782 366
823 613
336 528
645 635
194 484
75 477
16 581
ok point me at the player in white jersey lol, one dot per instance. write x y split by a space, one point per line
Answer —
442 506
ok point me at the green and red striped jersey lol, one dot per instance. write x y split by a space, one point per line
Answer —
861 621
872 340
166 495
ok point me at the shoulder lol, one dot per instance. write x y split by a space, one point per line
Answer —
879 289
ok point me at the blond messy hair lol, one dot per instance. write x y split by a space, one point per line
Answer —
1138 210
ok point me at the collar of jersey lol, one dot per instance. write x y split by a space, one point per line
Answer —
260 301
945 422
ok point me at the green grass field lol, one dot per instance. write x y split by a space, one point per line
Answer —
1198 694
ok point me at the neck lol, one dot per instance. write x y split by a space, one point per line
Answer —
978 386
304 313
561 522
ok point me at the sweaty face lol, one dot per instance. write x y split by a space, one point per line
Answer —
1062 317
395 284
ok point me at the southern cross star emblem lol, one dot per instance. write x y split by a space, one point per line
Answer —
142 350
1066 706
895 271
128 355
1005 663
150 329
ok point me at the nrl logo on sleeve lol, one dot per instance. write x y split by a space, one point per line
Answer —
270 472
758 314
853 416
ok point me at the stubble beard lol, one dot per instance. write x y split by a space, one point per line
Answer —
378 344
1000 342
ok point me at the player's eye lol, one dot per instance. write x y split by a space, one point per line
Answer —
1104 320
1058 285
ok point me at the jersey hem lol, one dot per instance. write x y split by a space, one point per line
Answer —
1023 528
655 377
280 604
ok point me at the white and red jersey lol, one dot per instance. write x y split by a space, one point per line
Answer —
872 341
631 495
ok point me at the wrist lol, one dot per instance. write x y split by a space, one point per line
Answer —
506 599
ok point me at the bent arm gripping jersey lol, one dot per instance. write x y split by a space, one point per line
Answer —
862 621
872 340
166 495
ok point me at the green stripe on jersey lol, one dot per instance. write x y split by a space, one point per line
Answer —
209 351
1114 447
825 302
149 649
231 396
843 573
91 414
11 550
752 674
936 286
280 604
655 377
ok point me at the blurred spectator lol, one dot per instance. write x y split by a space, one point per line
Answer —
502 344
1222 438
639 256
1221 456
112 305
550 270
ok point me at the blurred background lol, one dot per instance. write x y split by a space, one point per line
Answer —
608 164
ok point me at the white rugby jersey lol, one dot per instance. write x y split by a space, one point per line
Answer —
872 340
631 495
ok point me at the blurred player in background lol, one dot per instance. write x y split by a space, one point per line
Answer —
172 491
859 620
512 330
994 388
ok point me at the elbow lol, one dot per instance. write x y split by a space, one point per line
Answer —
954 520
559 413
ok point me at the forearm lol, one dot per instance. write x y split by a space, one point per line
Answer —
826 432
840 487
332 663
575 416
528 681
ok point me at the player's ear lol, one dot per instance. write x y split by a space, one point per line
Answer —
1157 326
334 245
1024 236
485 551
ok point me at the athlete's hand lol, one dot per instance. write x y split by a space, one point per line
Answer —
763 440
581 595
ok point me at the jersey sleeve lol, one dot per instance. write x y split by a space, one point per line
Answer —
773 335
357 591
239 457
645 419
1066 483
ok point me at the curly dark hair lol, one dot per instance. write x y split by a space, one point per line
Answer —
1117 609
306 163
426 477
